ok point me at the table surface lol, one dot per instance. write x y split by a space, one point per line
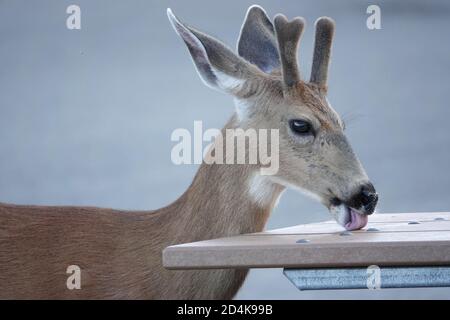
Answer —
402 239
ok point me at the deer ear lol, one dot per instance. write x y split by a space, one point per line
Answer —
217 65
257 42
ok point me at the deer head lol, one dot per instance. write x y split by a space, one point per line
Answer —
264 77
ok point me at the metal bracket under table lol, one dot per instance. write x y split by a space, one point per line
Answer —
372 277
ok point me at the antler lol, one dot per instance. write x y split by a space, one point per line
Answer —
322 51
288 37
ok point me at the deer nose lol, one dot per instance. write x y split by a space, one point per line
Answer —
365 199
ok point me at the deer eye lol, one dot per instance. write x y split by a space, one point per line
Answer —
300 126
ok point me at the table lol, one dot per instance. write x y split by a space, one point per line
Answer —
393 251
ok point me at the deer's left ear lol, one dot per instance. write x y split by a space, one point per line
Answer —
257 42
218 66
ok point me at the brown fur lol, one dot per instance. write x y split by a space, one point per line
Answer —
119 252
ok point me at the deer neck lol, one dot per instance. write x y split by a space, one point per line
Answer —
225 200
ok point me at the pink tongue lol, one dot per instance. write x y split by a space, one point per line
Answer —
357 221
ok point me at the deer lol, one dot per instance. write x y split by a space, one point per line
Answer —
120 253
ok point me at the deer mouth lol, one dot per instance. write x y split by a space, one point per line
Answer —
348 217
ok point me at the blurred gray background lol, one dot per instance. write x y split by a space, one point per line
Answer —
86 115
